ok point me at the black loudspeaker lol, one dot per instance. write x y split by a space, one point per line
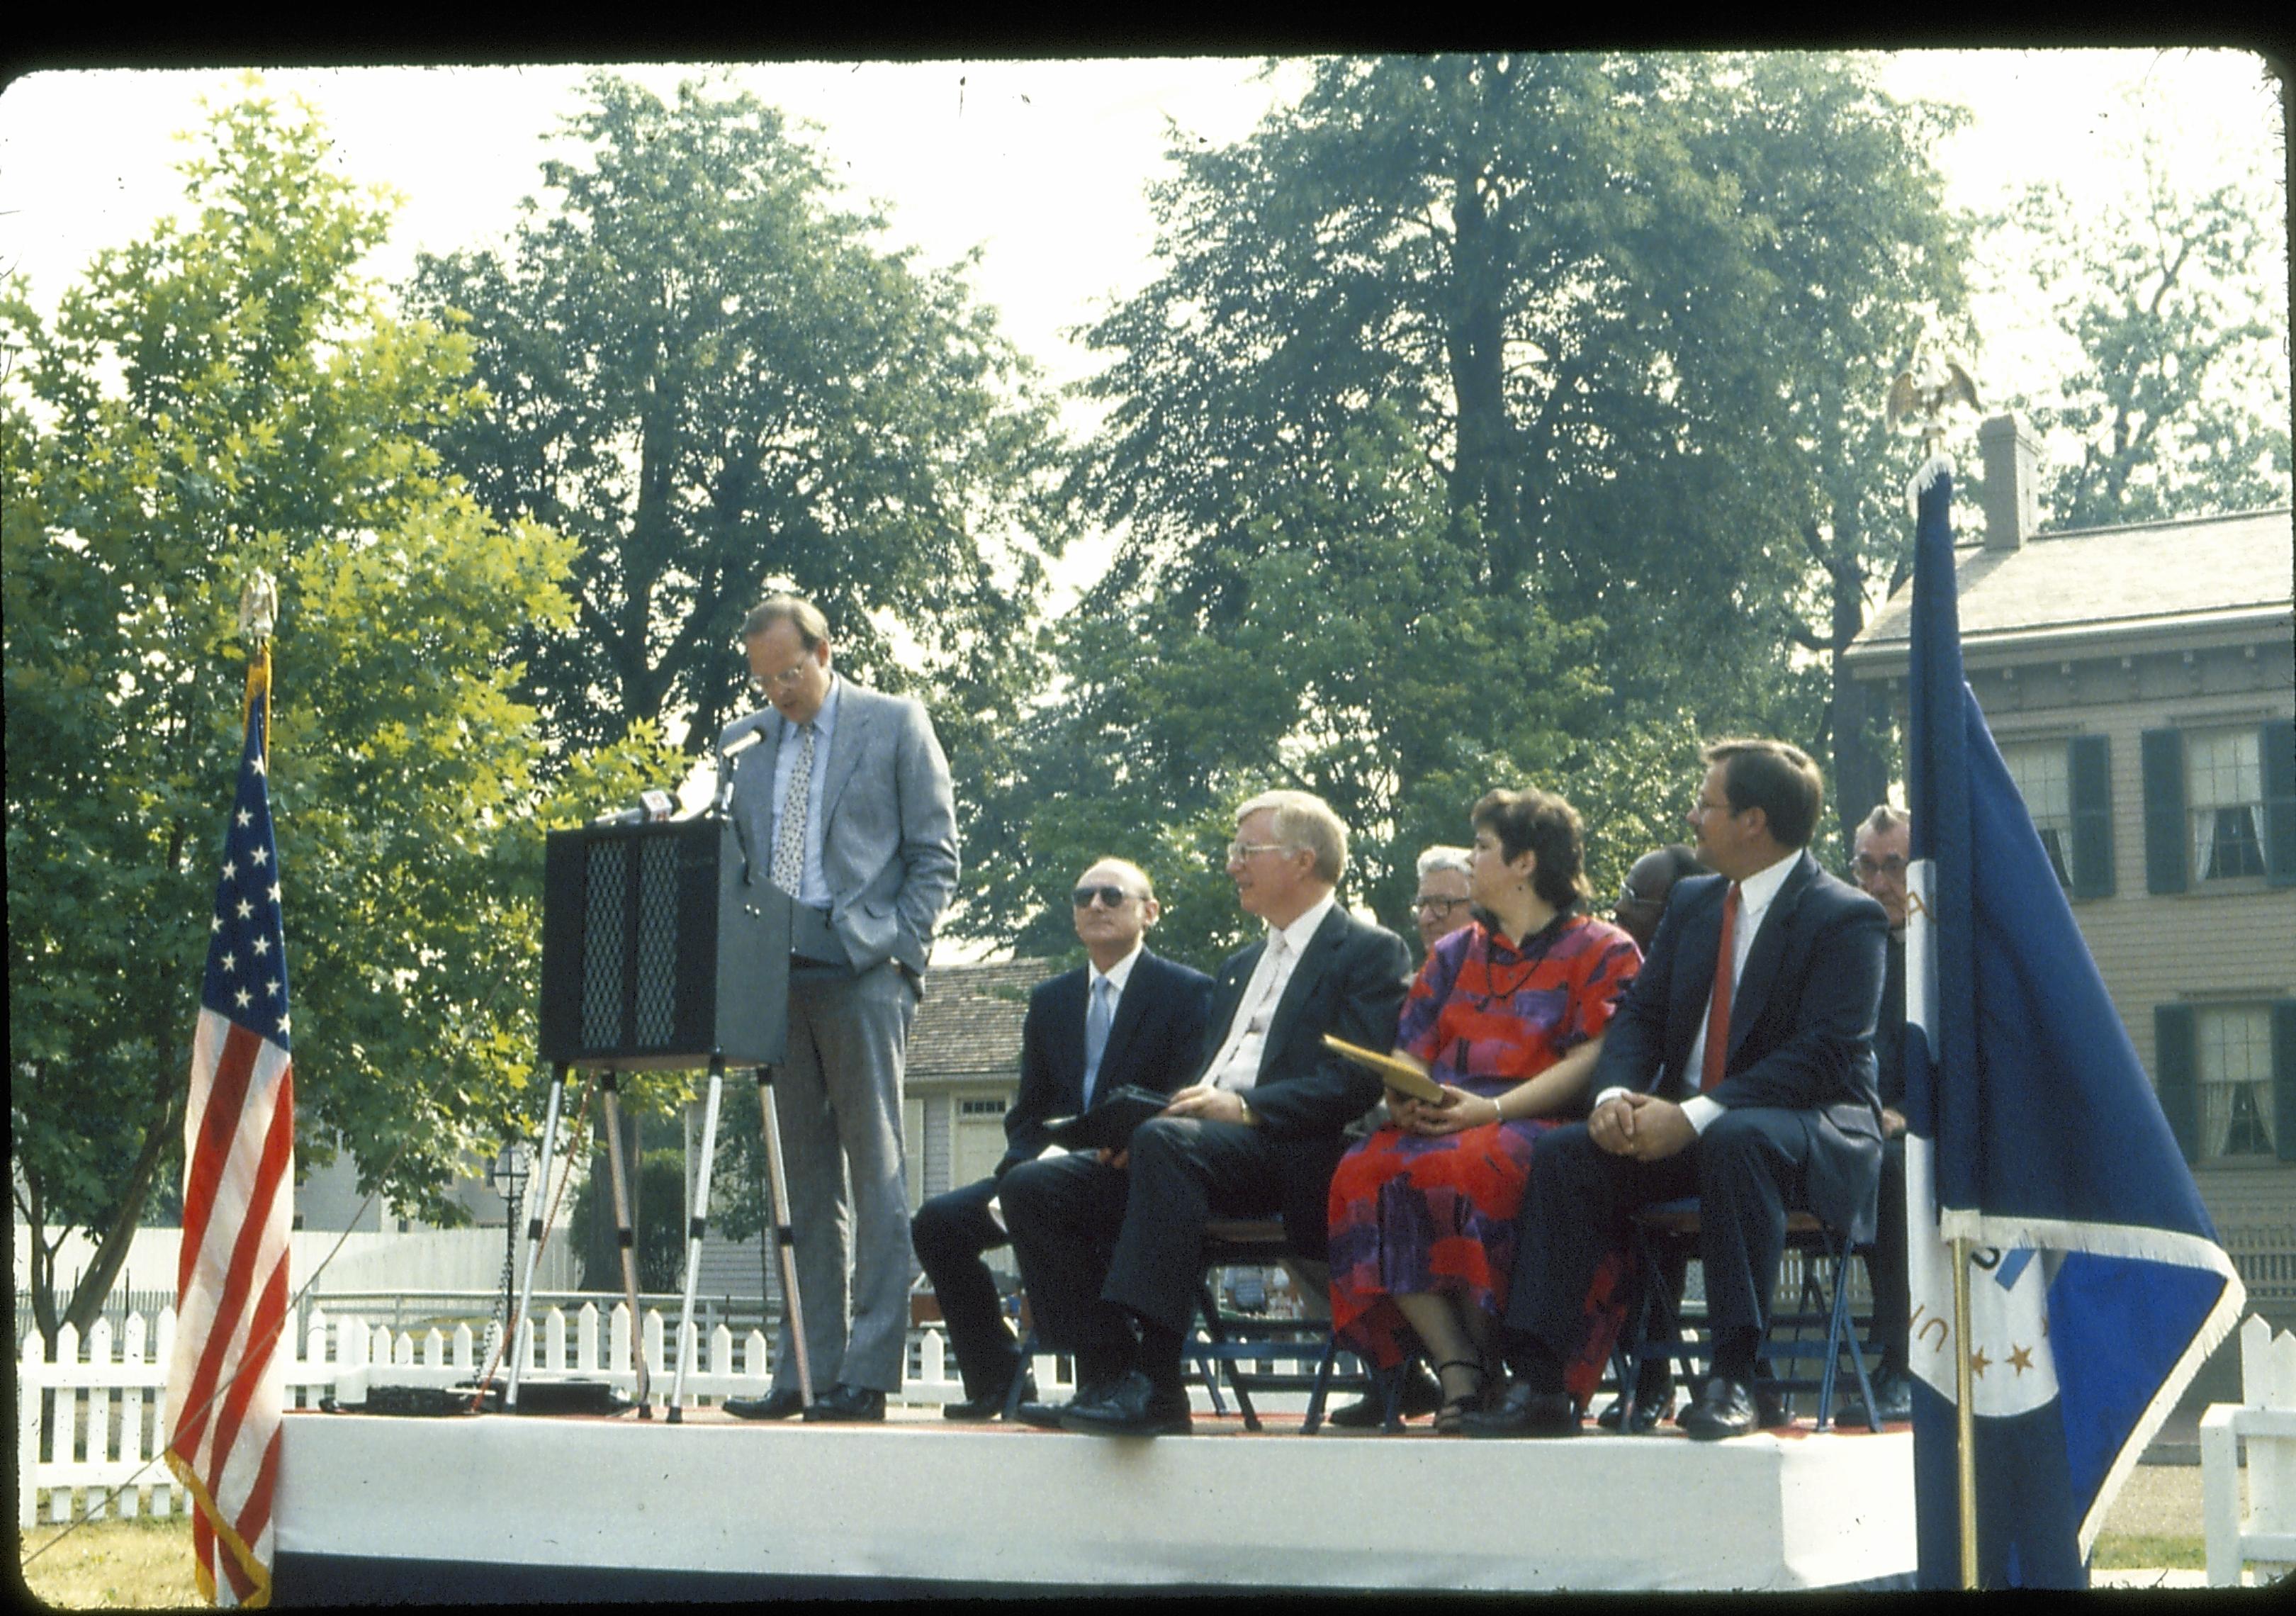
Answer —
660 950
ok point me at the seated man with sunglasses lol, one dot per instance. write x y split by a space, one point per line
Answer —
1129 1016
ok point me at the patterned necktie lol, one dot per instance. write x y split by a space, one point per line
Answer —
788 833
1097 1017
1717 1011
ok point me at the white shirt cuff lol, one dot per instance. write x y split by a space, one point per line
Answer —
1702 1109
1615 1089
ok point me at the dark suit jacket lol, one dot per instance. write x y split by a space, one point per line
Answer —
1350 981
1157 1035
1801 1022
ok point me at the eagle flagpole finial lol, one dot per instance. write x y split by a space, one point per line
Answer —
1931 391
258 607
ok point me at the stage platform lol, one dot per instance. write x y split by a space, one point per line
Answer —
524 1509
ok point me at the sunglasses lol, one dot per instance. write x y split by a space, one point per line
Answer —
1114 897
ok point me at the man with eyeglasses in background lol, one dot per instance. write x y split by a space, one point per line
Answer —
1111 1250
1441 907
1883 844
843 800
1127 1017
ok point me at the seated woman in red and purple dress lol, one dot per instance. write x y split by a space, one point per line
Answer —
1508 1015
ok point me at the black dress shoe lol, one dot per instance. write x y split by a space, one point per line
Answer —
1724 1407
1046 1417
1422 1394
1524 1413
1131 1407
781 1403
842 1402
1652 1403
980 1410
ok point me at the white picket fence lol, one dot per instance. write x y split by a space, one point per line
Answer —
2265 1421
107 1418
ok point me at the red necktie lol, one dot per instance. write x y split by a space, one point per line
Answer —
1717 1012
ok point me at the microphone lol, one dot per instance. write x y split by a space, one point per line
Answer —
651 805
725 771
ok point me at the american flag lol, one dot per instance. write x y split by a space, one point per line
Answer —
224 1388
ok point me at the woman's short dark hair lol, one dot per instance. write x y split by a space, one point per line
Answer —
1542 824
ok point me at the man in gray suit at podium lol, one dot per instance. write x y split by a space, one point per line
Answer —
845 801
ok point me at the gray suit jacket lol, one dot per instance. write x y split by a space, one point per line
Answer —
889 822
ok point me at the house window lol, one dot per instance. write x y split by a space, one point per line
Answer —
2224 798
981 1107
2219 805
2227 1079
2233 1046
2067 786
2042 772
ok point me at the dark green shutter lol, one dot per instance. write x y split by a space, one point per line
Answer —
2163 754
2091 768
2284 1079
2279 745
2175 1057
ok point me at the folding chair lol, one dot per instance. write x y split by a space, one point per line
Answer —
1234 1340
1823 1250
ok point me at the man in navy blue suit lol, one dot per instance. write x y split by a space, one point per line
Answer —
1145 1032
1758 1004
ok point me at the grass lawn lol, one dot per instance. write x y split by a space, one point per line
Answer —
137 1565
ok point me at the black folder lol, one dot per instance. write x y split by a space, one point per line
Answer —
1109 1124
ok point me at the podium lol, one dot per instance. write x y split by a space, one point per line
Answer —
663 949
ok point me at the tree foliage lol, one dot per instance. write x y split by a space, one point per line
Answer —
703 369
2178 404
224 394
1492 419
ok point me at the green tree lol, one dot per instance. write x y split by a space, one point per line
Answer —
1862 255
2179 405
702 369
1463 441
224 394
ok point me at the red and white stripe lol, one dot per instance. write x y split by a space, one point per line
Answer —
225 1387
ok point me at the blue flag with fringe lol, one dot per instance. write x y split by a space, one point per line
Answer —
2097 1284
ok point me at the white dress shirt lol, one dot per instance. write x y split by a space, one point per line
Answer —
1117 974
1236 1067
1755 894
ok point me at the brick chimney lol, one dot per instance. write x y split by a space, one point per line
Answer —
2012 456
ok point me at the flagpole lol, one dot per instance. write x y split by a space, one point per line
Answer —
1966 1415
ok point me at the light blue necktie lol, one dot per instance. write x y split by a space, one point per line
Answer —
1097 1016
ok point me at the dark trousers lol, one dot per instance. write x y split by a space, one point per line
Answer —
1099 1246
950 1232
1746 1169
1885 1261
